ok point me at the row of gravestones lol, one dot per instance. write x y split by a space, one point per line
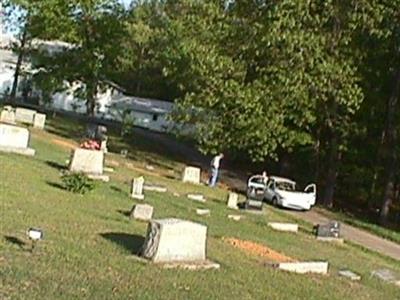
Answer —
22 115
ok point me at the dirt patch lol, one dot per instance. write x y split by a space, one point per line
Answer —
258 250
65 144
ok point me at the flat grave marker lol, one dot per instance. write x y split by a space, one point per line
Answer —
191 175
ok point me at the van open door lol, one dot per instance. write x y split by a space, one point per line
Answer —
311 189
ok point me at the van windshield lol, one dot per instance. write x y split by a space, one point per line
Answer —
285 186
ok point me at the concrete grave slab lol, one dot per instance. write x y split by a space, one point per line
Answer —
191 175
155 188
143 212
197 197
137 188
175 240
24 115
387 275
318 267
15 139
202 212
39 120
233 200
330 239
7 116
234 217
87 161
104 178
289 227
349 274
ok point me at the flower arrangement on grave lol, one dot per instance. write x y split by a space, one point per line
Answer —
90 145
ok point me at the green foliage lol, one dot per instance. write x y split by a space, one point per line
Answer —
78 183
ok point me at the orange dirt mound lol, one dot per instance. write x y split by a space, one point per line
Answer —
258 249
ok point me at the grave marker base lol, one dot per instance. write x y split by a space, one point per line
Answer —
22 151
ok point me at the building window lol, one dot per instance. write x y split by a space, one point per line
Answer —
155 118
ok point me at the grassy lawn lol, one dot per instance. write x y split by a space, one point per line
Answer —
89 245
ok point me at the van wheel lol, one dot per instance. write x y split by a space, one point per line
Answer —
275 201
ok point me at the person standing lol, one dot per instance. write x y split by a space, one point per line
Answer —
215 163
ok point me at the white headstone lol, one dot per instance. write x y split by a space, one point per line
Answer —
202 211
233 201
191 175
154 188
234 217
39 121
142 212
7 116
349 274
174 240
319 267
197 197
137 188
15 139
284 226
87 161
25 115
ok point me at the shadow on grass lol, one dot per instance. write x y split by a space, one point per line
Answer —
56 165
14 240
131 242
56 185
119 190
126 213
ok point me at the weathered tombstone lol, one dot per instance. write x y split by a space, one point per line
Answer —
304 267
328 231
233 201
234 217
15 139
191 175
197 197
124 153
143 212
387 276
89 162
7 115
25 115
253 204
137 188
39 120
202 212
349 274
284 226
103 146
155 188
175 240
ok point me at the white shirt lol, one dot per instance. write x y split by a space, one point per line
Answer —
216 161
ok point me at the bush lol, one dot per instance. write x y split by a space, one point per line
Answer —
78 183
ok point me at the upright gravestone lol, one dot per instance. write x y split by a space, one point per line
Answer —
233 201
175 240
89 162
15 139
191 175
7 115
137 188
329 231
25 115
39 120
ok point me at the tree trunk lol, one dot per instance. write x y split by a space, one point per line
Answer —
91 89
390 133
331 170
21 54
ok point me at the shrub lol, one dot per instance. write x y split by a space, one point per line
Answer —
78 183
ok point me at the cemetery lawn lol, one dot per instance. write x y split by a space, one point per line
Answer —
89 242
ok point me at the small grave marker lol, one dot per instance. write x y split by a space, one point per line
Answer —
284 226
197 197
349 274
137 188
233 200
154 188
143 212
39 120
387 276
234 217
304 267
202 212
191 175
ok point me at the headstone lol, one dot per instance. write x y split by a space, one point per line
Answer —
137 188
108 169
304 267
103 146
143 212
284 226
233 201
253 204
149 167
203 212
124 153
197 197
25 115
330 230
191 175
154 188
174 240
387 276
234 217
15 139
87 161
39 120
349 274
7 115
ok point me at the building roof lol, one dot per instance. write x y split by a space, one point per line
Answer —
145 105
